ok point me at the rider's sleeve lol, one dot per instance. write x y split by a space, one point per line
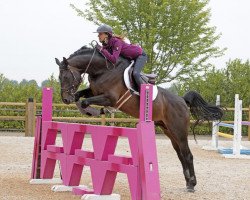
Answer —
116 52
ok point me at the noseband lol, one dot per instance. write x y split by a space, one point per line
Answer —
70 90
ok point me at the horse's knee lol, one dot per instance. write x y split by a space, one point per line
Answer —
84 104
112 99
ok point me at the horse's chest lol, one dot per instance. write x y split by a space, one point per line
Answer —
103 83
97 87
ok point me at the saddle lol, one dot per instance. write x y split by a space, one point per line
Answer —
145 78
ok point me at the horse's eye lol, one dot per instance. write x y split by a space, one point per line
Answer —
66 78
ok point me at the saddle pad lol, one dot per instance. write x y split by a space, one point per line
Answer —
128 85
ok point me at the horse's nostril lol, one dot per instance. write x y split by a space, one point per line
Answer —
65 101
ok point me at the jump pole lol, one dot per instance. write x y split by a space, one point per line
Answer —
47 111
236 151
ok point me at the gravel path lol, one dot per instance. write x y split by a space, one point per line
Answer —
218 178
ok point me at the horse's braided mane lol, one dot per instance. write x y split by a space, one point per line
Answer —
80 51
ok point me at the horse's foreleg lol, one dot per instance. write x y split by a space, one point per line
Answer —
83 93
100 100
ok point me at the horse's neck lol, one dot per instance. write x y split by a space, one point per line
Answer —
104 68
106 74
107 78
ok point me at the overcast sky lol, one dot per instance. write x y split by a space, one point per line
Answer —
33 33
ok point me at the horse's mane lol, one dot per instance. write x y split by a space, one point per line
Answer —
81 51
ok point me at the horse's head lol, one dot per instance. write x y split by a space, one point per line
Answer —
83 61
70 79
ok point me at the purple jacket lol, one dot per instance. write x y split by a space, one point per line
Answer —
116 47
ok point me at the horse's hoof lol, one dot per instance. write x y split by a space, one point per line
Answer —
84 104
102 111
89 114
190 189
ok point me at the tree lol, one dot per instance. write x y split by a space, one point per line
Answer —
44 83
238 79
175 34
13 91
24 82
2 81
234 79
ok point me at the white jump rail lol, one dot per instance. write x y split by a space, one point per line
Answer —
237 127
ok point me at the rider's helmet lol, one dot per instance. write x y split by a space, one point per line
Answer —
104 28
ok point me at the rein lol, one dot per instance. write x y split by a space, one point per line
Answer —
94 47
89 63
106 60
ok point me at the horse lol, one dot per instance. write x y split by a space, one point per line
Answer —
106 87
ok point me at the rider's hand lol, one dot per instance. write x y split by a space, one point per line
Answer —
99 47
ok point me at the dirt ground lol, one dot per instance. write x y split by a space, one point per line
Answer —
218 178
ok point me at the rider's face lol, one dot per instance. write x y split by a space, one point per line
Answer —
102 37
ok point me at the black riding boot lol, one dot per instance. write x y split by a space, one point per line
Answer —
139 64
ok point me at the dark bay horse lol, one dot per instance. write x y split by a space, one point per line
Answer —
170 111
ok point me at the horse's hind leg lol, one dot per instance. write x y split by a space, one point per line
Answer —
180 143
188 157
181 158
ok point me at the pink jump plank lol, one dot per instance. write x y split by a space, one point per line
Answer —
104 143
75 137
55 149
120 159
74 171
48 162
36 150
84 154
47 95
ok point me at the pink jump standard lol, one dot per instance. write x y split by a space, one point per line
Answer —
141 167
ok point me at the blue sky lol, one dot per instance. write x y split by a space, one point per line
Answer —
33 33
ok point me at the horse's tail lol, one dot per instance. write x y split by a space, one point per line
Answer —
200 109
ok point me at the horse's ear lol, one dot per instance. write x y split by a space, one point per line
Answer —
65 61
58 62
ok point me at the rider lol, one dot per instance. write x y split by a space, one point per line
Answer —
113 46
